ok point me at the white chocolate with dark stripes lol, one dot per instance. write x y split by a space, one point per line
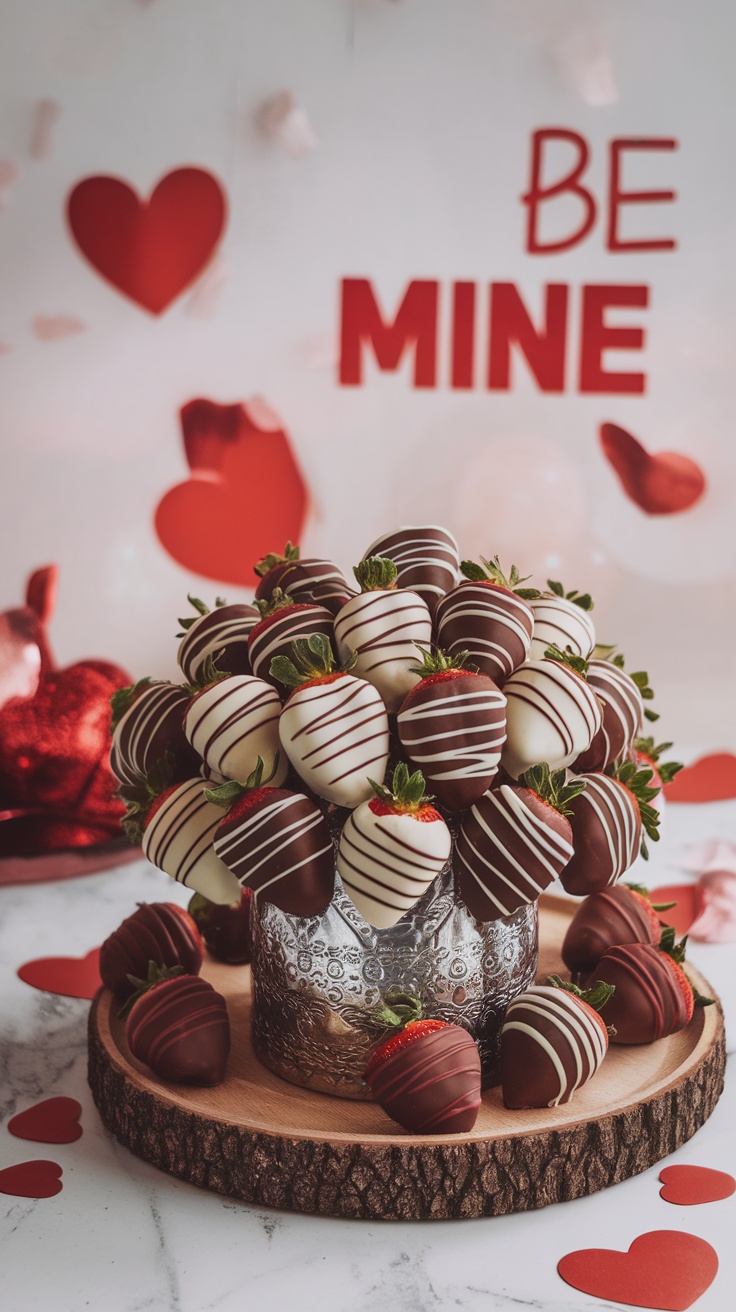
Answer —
384 627
151 727
179 837
233 722
274 635
623 713
452 728
551 715
560 623
489 622
335 733
222 634
387 861
606 835
427 560
510 848
278 843
551 1044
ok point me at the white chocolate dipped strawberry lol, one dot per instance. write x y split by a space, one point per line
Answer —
391 848
562 619
552 714
221 634
382 625
232 721
334 726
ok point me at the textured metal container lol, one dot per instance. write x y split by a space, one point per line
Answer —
316 980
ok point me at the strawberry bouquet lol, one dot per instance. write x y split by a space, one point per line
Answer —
395 768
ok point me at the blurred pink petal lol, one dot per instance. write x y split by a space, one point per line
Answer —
9 174
45 115
717 921
714 855
5 349
287 123
50 327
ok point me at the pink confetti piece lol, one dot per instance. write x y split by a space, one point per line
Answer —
284 121
9 174
49 328
45 116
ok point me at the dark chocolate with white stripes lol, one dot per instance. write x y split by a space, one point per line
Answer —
606 835
488 621
622 711
274 635
452 727
151 727
278 843
426 559
222 634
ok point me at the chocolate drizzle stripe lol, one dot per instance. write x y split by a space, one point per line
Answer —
543 837
488 892
346 732
512 861
307 860
532 1032
273 843
360 880
640 971
394 839
360 766
400 864
616 820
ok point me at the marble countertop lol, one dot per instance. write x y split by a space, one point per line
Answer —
124 1237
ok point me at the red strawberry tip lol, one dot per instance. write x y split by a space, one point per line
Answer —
414 1030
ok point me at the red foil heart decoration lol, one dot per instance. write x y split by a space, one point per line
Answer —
72 977
55 1120
664 1269
662 484
39 1179
710 779
690 1185
245 497
149 250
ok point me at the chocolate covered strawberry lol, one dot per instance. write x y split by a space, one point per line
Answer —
176 825
553 1041
489 617
551 714
562 619
648 754
284 622
615 916
427 560
225 929
161 932
381 627
333 727
220 634
276 842
179 1026
232 721
514 842
427 1075
391 848
607 821
654 996
452 726
310 580
622 698
146 725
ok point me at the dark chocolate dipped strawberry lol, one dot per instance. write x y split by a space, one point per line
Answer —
553 1040
382 626
654 996
427 1075
225 929
452 727
622 698
427 560
179 1026
488 616
310 580
161 932
551 715
283 622
278 843
562 619
231 721
146 725
607 822
514 842
391 848
220 634
610 918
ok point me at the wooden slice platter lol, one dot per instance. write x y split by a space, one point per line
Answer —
264 1141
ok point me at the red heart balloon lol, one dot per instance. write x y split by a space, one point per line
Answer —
664 1269
246 497
688 900
662 484
72 977
688 1185
709 779
149 250
55 1120
40 1179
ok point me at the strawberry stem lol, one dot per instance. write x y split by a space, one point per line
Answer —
313 659
596 997
581 599
435 661
406 793
122 700
231 791
567 657
278 600
201 609
637 779
665 769
273 558
644 892
140 797
552 788
376 574
490 571
396 1010
209 674
156 975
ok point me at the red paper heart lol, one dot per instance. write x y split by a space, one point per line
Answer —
709 779
688 900
688 1185
662 484
55 1120
246 497
39 1179
665 1269
149 250
72 977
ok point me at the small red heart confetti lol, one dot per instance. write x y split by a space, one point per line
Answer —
688 901
39 1179
709 779
55 1120
663 1269
688 1185
72 977
662 484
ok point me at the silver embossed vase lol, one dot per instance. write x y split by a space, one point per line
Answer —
316 981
